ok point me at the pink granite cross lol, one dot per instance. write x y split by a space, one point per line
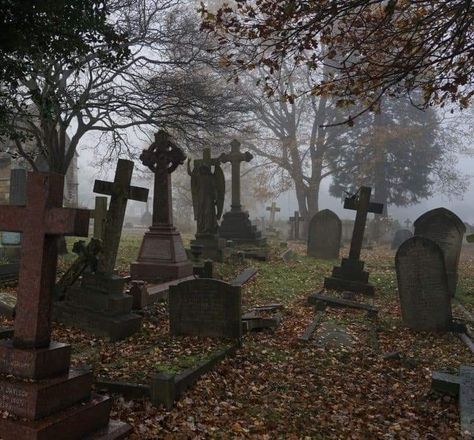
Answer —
41 221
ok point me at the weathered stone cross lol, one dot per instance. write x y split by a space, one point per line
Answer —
235 157
408 223
41 221
295 222
363 206
273 210
120 192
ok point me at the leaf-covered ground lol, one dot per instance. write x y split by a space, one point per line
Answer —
278 387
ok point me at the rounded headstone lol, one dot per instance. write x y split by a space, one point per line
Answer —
324 235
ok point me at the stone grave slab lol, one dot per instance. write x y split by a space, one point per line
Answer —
425 300
332 335
466 400
324 235
205 307
400 236
446 229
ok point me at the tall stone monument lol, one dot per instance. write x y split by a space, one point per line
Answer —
351 275
425 301
236 224
324 235
208 192
44 398
98 303
162 256
446 229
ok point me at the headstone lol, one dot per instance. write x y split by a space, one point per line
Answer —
98 303
295 223
236 225
447 230
205 307
273 209
45 396
400 236
208 191
466 400
162 256
425 301
324 235
350 275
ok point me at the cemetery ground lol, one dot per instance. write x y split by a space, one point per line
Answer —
376 385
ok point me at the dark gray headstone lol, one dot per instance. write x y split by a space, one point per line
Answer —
446 229
324 235
400 236
205 307
425 301
466 400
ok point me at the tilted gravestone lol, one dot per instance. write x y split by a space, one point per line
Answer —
425 301
400 236
447 230
205 307
324 235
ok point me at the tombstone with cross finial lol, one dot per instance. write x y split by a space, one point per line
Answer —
350 275
98 303
45 397
162 256
295 223
236 224
208 192
273 209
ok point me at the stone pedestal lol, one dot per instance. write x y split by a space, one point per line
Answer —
162 257
236 226
98 305
350 276
53 402
213 247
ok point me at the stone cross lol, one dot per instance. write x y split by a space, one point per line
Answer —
408 223
41 221
295 222
273 210
363 206
162 158
235 157
120 192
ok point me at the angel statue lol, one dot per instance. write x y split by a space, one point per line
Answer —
207 190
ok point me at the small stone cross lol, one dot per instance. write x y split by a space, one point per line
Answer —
120 192
273 210
295 221
408 223
235 157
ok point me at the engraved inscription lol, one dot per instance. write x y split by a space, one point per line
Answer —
156 249
12 399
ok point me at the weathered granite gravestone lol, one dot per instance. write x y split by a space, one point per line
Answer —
447 230
400 236
236 225
162 256
273 209
208 191
324 235
98 303
351 275
46 399
295 222
425 301
205 307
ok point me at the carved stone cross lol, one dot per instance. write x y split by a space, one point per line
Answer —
273 210
41 221
295 222
120 192
235 157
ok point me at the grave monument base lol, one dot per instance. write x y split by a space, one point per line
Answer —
162 257
213 247
350 276
99 306
236 226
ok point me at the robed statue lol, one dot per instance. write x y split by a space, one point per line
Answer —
208 190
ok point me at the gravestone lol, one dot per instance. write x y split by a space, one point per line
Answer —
205 307
98 303
162 256
447 230
273 209
350 275
236 225
400 236
208 192
295 223
324 235
46 398
425 301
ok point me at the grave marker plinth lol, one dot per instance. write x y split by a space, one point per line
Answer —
54 402
162 256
